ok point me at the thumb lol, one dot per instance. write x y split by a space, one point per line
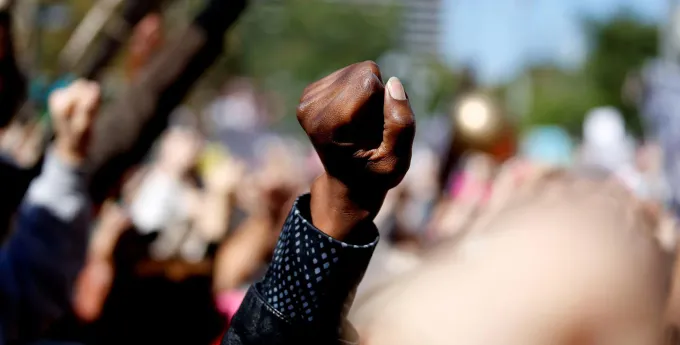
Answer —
400 123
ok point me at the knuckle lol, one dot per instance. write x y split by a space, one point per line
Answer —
307 91
370 66
302 111
370 83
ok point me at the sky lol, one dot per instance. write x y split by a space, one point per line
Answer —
499 37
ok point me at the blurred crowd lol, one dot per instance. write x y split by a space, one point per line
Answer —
195 220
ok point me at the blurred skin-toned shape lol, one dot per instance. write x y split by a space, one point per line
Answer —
272 190
96 278
554 259
469 193
146 40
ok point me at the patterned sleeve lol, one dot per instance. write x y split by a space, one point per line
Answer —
313 275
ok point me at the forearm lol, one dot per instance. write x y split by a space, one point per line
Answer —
340 211
242 254
308 286
40 261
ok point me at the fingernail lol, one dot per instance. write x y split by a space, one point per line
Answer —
396 89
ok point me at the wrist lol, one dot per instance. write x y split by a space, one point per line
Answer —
338 210
68 155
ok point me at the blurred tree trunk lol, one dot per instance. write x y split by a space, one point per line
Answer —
128 127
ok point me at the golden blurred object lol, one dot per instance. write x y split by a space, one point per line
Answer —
474 115
478 125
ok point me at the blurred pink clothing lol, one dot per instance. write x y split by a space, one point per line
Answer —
464 187
229 302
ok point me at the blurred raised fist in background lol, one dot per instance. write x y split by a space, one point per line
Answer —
73 110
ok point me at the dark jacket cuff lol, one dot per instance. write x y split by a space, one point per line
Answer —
257 323
312 275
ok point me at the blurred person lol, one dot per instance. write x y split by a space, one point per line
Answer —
23 143
14 138
221 183
469 193
649 162
152 256
658 107
96 278
129 127
238 108
12 95
40 260
363 131
551 261
608 147
210 216
420 193
244 255
167 196
12 81
606 144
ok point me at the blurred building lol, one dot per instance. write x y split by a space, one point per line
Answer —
421 23
422 26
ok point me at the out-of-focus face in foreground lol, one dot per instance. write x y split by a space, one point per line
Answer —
558 261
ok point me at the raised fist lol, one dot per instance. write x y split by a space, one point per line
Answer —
362 133
73 110
364 136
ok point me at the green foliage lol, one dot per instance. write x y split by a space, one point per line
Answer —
618 46
51 42
561 98
285 45
443 83
622 45
292 43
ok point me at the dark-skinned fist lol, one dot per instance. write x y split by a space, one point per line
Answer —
363 132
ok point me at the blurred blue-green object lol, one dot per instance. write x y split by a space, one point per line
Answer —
62 82
548 145
40 89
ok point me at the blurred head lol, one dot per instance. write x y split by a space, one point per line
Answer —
179 150
562 260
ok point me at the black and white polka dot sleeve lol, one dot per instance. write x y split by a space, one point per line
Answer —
311 274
